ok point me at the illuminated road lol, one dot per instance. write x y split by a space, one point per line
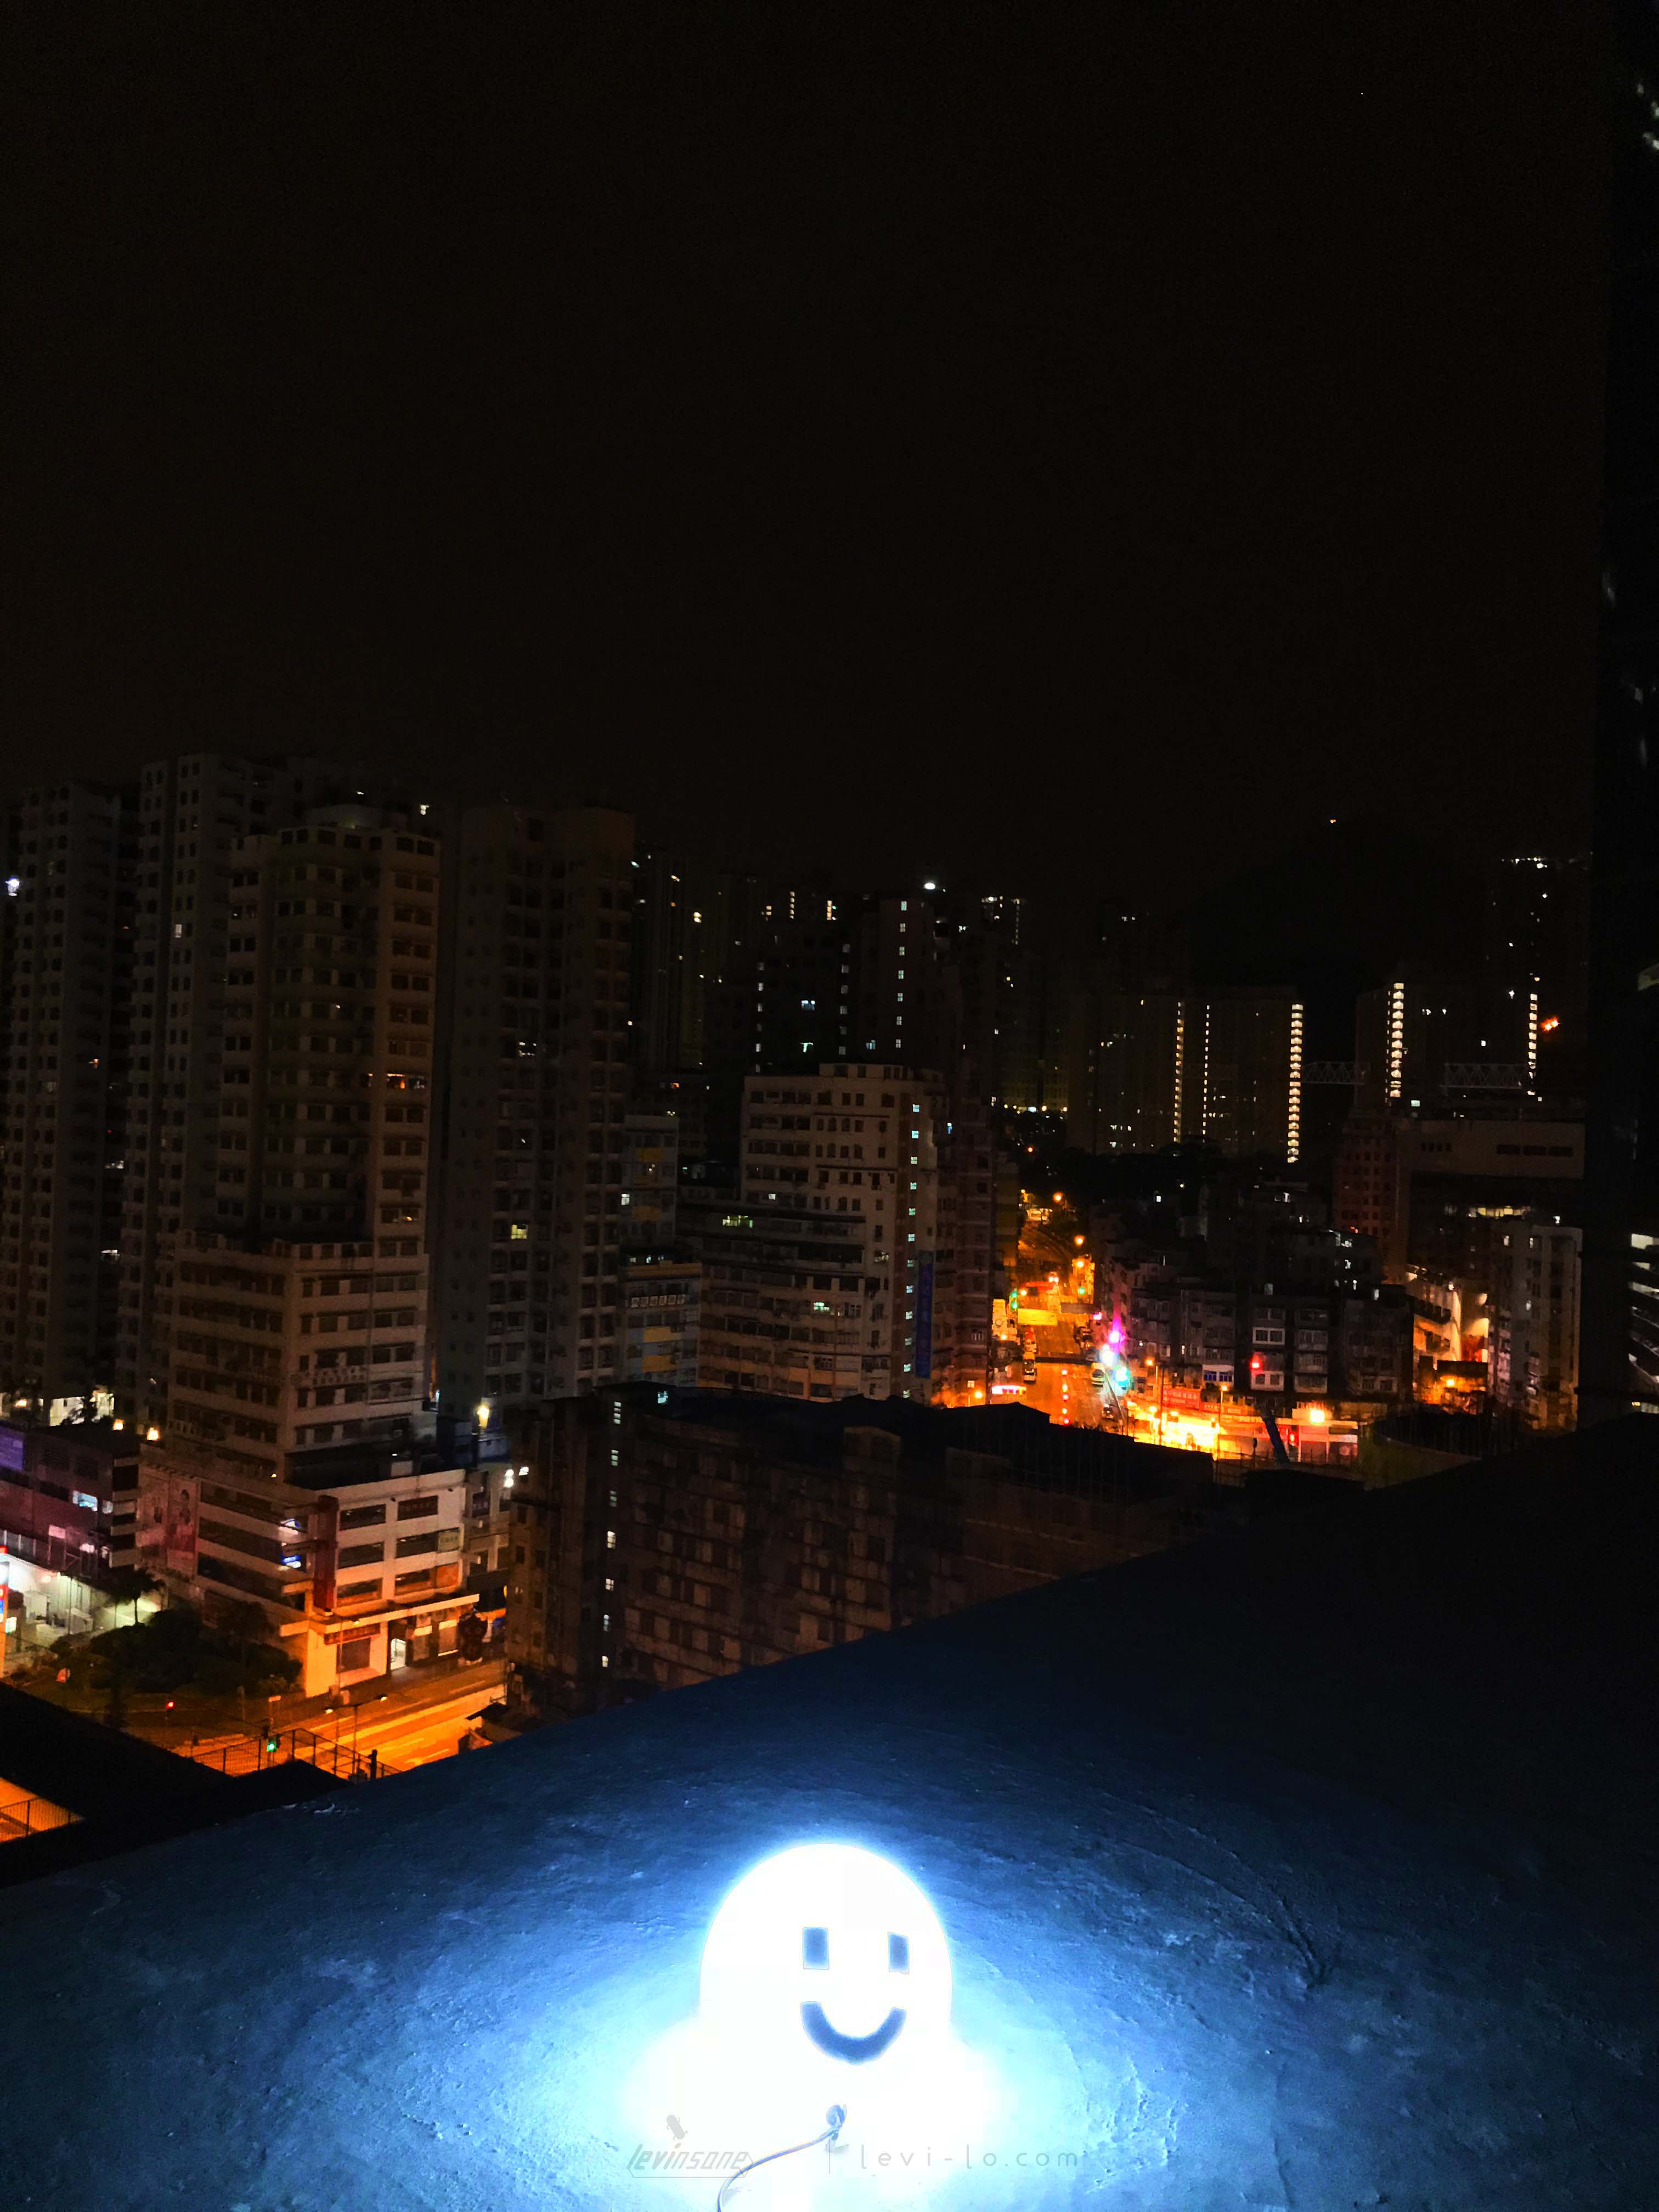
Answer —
416 1734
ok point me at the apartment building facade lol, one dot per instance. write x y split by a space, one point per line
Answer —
1239 1058
1371 1190
298 1320
881 1160
189 986
1120 1058
787 1306
657 1544
1533 1332
354 1555
536 1091
65 977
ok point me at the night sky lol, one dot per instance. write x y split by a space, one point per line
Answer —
1089 446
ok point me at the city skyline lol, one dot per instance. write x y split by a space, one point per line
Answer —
830 1009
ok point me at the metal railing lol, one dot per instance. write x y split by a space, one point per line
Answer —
31 1816
251 1754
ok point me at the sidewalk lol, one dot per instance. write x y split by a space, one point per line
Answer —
424 1684
196 1723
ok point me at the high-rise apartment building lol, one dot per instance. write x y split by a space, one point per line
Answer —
693 955
660 1283
1239 1058
791 1005
1532 1342
65 974
786 1306
904 997
859 1258
1000 1000
1417 1185
1120 1064
1418 1039
298 1306
193 813
1535 973
535 1073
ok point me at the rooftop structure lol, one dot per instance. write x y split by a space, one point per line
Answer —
1308 1869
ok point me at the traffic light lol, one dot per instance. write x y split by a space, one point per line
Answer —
271 1741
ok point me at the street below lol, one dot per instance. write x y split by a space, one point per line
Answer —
414 1735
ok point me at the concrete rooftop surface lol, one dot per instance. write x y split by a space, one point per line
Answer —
1311 1868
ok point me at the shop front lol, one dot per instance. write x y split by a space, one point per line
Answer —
350 1653
421 1635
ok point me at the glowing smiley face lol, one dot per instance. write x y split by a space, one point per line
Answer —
830 1948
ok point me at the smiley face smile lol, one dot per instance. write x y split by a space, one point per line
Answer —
854 2049
828 1955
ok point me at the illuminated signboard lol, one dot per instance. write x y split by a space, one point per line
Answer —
925 1315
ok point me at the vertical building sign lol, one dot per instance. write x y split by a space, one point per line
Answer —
152 1513
326 1557
924 1359
181 1525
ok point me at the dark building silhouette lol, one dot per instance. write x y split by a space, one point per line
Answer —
655 1544
1535 973
65 977
1620 1313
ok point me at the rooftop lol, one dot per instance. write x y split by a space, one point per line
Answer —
1033 1446
1308 1868
371 1459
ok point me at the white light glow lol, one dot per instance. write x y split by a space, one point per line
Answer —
826 1979
831 1952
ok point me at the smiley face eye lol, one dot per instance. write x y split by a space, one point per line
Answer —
899 1955
814 1947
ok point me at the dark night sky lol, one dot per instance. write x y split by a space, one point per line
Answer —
1114 438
